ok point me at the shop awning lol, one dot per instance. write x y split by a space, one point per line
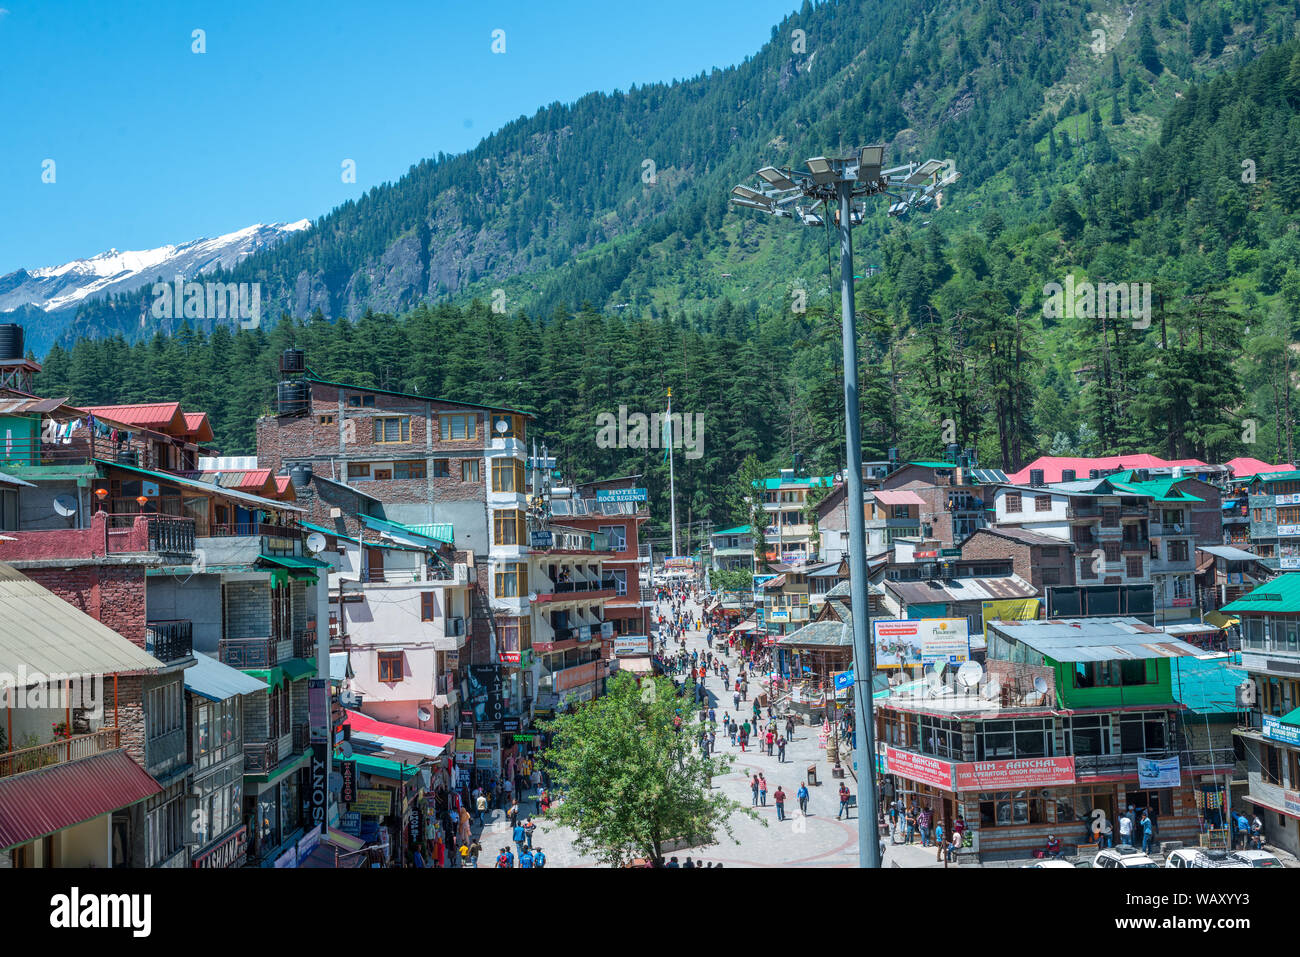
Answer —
1292 718
293 567
38 803
342 839
272 677
1219 620
382 767
209 678
295 669
637 665
397 737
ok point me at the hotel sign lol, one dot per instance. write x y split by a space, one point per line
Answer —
620 495
1024 772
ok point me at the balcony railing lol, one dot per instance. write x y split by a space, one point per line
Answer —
169 640
248 652
261 757
454 627
1135 545
304 643
1083 511
171 535
58 752
1087 764
1176 528
207 529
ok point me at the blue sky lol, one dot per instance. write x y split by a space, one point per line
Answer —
153 143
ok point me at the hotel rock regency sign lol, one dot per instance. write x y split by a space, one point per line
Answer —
980 775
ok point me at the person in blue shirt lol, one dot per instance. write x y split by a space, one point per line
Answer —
539 859
520 837
1146 832
802 795
1243 830
526 859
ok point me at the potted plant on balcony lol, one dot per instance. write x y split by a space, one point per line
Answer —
61 731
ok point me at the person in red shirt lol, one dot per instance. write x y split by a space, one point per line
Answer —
844 802
771 739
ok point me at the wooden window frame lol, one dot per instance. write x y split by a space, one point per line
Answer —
1014 498
442 468
427 606
403 429
446 431
385 662
358 470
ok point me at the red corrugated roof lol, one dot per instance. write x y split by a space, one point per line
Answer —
368 725
196 423
898 496
1245 467
158 416
37 803
1053 464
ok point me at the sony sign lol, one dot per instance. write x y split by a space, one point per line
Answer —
318 798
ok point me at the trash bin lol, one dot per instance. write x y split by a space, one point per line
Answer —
812 774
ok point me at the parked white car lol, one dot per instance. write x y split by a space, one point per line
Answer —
1052 862
1199 857
1256 858
1122 856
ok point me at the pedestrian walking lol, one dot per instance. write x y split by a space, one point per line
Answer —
778 798
1146 832
780 749
789 727
770 738
482 806
529 828
802 795
939 842
762 790
753 785
923 822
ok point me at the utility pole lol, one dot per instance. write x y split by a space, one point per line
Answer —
832 183
672 482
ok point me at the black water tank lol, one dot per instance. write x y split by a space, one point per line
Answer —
11 341
293 361
1067 475
292 396
1094 473
300 474
1035 476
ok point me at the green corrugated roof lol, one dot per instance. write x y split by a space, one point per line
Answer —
1161 489
1291 717
1281 594
294 561
380 766
442 531
1277 476
738 530
935 465
295 669
1206 686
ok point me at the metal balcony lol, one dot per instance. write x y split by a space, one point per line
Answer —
169 640
246 653
261 757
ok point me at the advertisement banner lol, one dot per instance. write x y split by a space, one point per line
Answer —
465 751
918 767
318 709
913 642
1275 729
606 629
348 771
485 697
577 676
318 785
843 680
1022 772
1009 609
679 562
632 645
373 802
1159 772
1291 802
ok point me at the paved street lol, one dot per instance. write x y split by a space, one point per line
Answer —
818 840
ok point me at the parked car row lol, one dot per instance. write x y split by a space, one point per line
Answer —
1126 857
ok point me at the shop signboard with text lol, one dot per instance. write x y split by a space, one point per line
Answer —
1016 773
919 767
914 642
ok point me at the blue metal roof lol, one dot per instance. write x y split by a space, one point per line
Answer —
209 678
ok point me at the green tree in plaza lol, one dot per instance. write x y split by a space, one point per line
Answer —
631 780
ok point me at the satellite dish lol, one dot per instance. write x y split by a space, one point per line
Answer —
532 596
969 674
65 505
424 714
316 542
992 690
502 426
345 749
1040 684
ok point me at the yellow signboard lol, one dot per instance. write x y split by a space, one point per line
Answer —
374 802
1009 609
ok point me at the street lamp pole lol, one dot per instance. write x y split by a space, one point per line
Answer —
832 183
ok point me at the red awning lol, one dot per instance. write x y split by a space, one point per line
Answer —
37 803
368 725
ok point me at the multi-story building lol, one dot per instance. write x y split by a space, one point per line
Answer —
733 549
1274 503
789 533
74 736
1270 656
1040 559
1049 740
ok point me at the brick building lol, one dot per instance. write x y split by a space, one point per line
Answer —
1037 558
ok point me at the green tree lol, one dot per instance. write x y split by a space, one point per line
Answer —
631 781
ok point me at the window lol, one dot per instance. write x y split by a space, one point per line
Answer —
390 666
459 428
327 420
940 737
1051 576
620 586
514 426
1013 502
1134 564
1008 808
412 469
617 535
9 510
389 429
442 468
383 475
361 401
1003 740
1114 674
1110 516
1178 550
1112 551
515 635
1042 503
469 470
508 527
511 580
216 732
427 606
1143 732
163 710
358 470
1087 734
507 475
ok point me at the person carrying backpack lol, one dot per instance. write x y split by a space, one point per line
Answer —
539 859
504 860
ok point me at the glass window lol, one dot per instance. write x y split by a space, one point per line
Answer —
459 428
507 475
413 469
511 580
441 468
617 535
469 470
389 429
508 527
